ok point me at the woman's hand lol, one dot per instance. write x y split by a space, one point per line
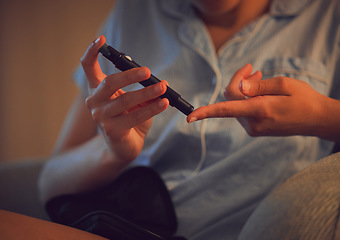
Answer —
123 117
278 106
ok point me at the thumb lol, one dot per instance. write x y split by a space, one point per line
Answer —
232 91
252 86
272 86
89 62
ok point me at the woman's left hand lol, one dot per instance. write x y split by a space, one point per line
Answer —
278 106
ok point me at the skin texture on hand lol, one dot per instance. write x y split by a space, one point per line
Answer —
123 117
278 106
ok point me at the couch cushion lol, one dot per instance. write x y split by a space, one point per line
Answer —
306 206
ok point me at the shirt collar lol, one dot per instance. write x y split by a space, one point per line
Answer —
281 8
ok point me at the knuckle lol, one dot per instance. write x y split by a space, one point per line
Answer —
255 128
89 102
110 82
96 114
123 101
107 127
139 117
257 88
261 87
264 112
255 131
147 113
283 82
106 83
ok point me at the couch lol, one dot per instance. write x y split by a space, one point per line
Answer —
304 207
19 190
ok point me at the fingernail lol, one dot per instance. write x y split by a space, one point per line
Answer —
97 40
193 119
245 86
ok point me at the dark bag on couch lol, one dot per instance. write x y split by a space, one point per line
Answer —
134 206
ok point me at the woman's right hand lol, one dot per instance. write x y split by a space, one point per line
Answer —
124 118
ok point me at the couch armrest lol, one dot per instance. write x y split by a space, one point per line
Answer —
19 188
305 206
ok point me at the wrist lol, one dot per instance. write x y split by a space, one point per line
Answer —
328 120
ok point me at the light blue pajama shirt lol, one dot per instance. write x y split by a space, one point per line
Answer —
215 172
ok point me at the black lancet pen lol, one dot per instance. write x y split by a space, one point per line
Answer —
123 63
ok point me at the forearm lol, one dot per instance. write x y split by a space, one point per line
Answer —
329 120
80 169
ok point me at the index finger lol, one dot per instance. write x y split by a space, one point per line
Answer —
114 82
89 62
228 109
